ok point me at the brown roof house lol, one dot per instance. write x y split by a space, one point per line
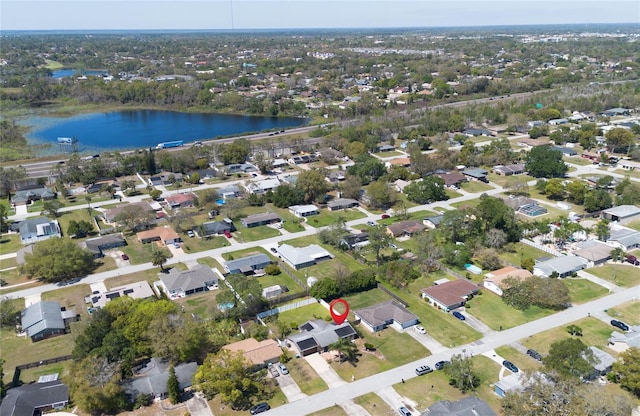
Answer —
391 313
494 281
405 228
181 200
259 353
165 234
452 178
450 295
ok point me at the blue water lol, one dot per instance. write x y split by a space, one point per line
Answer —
121 130
67 72
220 201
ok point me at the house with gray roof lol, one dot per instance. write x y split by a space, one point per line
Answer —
45 319
316 335
564 266
257 220
433 222
35 398
624 238
214 228
99 245
178 283
595 252
342 203
27 196
512 383
477 174
617 111
38 229
621 341
228 192
622 214
239 168
391 313
300 257
247 265
508 170
469 406
603 363
260 187
152 379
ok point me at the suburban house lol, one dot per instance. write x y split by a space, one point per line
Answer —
508 170
152 379
214 228
595 252
628 164
612 112
477 132
99 245
298 160
111 214
391 313
566 151
353 240
469 406
259 353
452 178
300 257
229 192
476 174
433 222
399 161
178 283
182 200
43 320
278 163
621 341
405 228
513 383
385 148
257 220
316 335
166 178
138 290
624 238
494 281
529 143
603 363
239 168
95 188
35 398
27 196
336 176
164 234
38 229
304 210
622 214
558 121
342 203
451 294
247 265
564 266
260 187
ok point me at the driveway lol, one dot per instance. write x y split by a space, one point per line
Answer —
426 340
352 409
395 400
476 324
290 388
324 370
198 405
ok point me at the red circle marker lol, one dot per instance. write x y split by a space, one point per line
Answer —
339 317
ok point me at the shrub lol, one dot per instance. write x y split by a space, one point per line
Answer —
272 269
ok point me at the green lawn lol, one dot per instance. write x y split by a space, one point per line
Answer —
306 377
583 290
475 187
327 217
635 225
202 305
628 312
620 274
491 310
522 361
77 215
255 233
329 411
594 332
10 243
211 262
514 253
466 204
234 255
141 253
281 279
375 405
196 244
301 315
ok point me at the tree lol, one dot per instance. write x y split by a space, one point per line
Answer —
627 370
495 238
8 312
617 254
554 189
378 240
492 212
57 260
570 357
285 196
94 384
602 229
51 207
346 349
232 377
236 152
133 218
325 288
159 258
79 229
155 193
545 293
429 189
381 195
173 386
312 185
576 191
461 374
619 139
545 162
597 200
351 187
3 218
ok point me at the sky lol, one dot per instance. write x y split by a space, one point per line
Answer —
276 14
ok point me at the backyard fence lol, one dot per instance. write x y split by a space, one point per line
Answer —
541 247
285 308
393 295
16 375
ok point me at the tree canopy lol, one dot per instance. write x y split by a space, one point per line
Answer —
545 162
57 260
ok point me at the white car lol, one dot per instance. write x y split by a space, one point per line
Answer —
421 329
371 223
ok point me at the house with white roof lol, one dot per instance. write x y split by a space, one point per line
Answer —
624 238
304 210
563 266
622 213
38 229
260 187
300 257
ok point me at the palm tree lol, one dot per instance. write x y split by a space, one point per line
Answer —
159 258
617 254
345 348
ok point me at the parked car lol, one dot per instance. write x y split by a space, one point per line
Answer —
423 369
125 257
510 366
393 246
190 234
283 368
440 365
458 315
404 411
371 223
273 250
385 216
227 234
176 245
632 259
534 354
259 408
421 329
620 325
274 371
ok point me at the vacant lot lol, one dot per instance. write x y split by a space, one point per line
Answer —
620 274
594 332
491 310
306 377
628 312
476 187
375 405
583 290
10 243
327 217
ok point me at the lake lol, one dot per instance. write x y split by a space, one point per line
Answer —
121 130
68 72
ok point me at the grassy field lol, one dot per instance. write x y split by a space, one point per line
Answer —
201 304
621 274
10 243
594 332
327 217
475 187
71 297
583 290
518 251
306 377
196 244
211 262
628 312
491 310
301 315
375 405
150 275
635 225
281 279
234 255
330 411
141 253
255 233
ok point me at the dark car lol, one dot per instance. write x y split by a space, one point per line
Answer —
534 354
384 216
259 408
423 369
620 324
632 259
440 364
273 250
511 366
125 257
459 315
